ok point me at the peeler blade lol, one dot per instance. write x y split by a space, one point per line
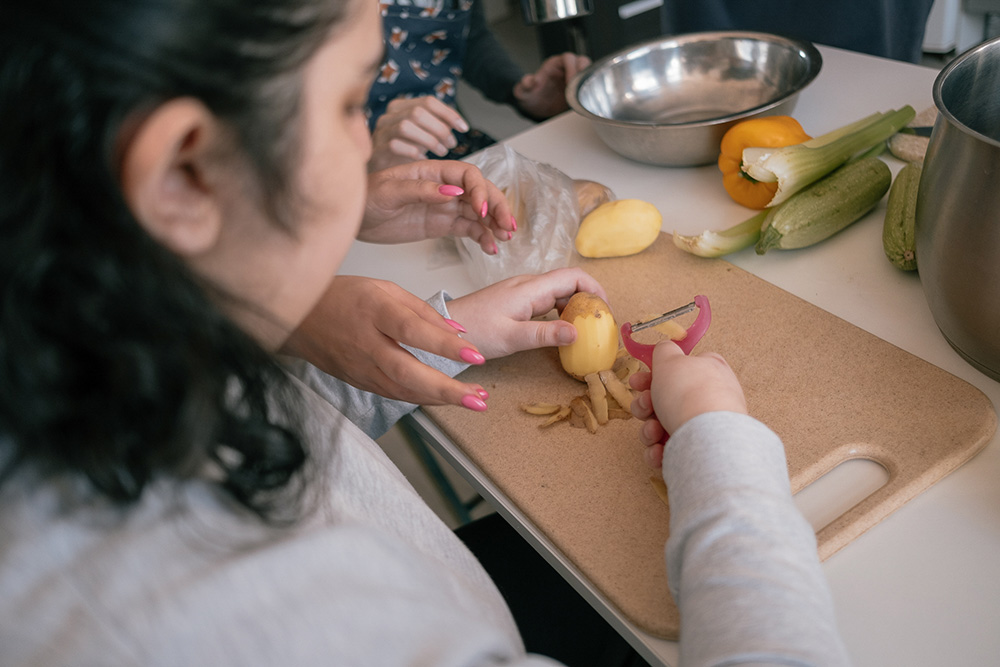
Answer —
669 315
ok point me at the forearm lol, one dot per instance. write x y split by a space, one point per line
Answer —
487 65
741 559
374 414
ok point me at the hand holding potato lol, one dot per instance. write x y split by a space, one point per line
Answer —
499 318
679 388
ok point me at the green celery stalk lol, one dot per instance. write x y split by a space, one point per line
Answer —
795 167
717 244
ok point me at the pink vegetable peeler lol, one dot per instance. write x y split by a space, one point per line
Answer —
644 353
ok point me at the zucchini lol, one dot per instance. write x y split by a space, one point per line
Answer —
825 207
899 239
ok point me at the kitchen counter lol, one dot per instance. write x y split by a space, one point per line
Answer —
923 586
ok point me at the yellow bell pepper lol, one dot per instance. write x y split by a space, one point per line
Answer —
763 132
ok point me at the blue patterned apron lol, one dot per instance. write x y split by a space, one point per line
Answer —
425 47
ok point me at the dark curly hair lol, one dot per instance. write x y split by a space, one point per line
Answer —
115 363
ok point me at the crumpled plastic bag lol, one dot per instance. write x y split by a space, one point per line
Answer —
544 203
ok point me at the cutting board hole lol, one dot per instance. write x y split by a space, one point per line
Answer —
826 499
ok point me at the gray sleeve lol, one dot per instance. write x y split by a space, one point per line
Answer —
487 65
374 414
741 558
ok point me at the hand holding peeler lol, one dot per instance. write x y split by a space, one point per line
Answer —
644 353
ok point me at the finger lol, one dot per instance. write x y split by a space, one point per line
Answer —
573 64
486 240
445 113
415 382
485 201
424 106
553 65
434 335
419 307
409 191
406 149
528 83
654 455
642 406
571 281
489 205
555 288
651 433
425 133
641 380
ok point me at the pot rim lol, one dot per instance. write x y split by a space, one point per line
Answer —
942 77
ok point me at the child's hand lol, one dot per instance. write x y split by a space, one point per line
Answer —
499 317
434 198
354 333
683 387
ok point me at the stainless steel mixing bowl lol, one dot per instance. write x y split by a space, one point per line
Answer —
958 208
669 101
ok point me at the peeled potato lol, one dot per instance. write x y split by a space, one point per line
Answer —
618 228
596 346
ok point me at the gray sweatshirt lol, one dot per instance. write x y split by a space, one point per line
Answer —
372 577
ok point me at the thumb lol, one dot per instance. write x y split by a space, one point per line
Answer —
534 334
664 350
555 333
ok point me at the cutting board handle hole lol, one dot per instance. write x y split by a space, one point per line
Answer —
833 494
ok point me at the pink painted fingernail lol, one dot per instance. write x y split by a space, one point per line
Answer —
482 210
474 403
513 222
510 235
483 394
470 356
455 325
451 190
495 249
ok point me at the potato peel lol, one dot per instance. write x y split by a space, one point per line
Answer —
582 409
660 487
608 397
563 413
617 389
540 408
598 397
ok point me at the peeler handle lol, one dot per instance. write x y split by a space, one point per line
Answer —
695 332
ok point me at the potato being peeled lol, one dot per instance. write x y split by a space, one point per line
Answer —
618 228
596 345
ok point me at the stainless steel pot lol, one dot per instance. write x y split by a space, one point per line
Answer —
958 208
546 11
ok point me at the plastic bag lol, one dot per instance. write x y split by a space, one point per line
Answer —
544 203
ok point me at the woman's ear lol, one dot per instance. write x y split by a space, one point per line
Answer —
167 176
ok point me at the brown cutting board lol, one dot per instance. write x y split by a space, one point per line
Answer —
832 391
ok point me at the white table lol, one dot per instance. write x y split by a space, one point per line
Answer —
923 586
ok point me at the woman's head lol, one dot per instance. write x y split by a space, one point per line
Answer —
112 360
186 176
